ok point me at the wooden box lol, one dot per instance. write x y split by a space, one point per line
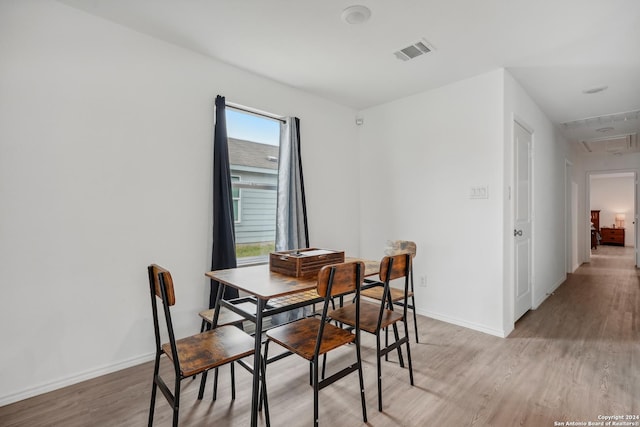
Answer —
303 262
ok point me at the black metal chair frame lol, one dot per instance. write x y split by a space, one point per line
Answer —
174 397
412 306
398 341
387 304
317 382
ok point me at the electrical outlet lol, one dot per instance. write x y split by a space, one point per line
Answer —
423 281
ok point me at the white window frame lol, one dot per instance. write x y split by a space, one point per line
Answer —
239 199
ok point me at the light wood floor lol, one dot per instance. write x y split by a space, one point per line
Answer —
574 358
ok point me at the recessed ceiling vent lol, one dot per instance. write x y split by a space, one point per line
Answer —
413 51
601 120
616 145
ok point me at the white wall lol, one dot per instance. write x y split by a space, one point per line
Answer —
612 196
550 152
105 167
420 157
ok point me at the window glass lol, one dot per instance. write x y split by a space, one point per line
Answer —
253 159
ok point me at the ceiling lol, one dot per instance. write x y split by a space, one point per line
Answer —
556 49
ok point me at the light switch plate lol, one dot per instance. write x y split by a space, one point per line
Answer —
479 192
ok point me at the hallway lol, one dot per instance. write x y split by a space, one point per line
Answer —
587 336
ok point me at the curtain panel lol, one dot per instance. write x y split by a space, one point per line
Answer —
291 216
223 254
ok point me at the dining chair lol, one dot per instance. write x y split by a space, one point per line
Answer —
191 355
395 247
374 318
312 337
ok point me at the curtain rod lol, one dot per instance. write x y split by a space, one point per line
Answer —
255 112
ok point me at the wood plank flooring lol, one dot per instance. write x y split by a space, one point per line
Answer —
575 358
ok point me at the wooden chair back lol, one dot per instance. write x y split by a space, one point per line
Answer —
395 267
395 247
340 279
335 280
155 271
391 268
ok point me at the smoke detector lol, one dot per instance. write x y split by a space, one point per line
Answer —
356 14
414 50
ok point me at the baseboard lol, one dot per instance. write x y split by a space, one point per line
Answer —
465 324
547 293
87 375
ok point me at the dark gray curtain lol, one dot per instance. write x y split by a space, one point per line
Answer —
291 217
224 247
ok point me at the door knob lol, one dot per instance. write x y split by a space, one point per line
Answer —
517 232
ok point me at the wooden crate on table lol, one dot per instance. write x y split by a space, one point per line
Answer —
303 263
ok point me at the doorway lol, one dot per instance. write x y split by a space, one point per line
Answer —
615 194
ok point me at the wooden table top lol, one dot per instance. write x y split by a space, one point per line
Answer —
259 281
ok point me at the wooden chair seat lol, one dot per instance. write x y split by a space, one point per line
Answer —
300 337
369 314
376 292
201 352
226 317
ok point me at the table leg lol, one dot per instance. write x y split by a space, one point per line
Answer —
216 306
260 305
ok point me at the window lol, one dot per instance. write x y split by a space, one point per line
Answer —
235 193
253 158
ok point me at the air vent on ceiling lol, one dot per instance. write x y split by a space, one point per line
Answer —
414 50
602 120
612 145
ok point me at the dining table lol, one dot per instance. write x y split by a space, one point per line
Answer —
267 293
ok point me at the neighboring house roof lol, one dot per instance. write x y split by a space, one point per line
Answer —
253 154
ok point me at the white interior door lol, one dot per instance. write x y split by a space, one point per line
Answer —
522 220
